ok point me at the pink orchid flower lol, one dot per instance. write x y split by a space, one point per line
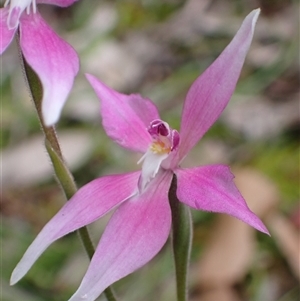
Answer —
54 61
141 224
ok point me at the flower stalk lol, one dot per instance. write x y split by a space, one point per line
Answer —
181 240
62 173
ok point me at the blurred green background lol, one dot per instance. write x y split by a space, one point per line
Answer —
157 48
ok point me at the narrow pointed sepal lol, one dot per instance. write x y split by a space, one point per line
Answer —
211 91
90 203
135 234
211 188
54 61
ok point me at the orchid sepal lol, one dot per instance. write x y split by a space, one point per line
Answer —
82 209
212 90
54 61
211 188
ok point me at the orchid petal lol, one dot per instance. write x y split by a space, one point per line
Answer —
55 62
90 203
210 93
125 117
61 3
6 35
211 188
134 235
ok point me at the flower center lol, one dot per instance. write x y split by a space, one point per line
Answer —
16 9
164 138
164 141
160 147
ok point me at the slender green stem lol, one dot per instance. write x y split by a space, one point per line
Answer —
63 175
65 179
181 240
